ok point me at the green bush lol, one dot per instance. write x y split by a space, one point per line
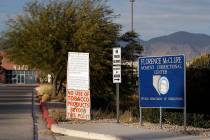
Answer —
199 120
173 118
150 115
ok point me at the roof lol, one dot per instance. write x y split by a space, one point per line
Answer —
6 63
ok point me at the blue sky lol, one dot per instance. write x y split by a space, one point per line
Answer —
152 18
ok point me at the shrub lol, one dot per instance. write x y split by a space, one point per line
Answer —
150 115
173 118
45 97
199 120
127 117
58 114
99 114
176 118
44 92
45 89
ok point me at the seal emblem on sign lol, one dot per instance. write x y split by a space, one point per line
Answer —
163 85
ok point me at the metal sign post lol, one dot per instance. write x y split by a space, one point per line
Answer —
140 119
117 76
117 102
185 98
140 108
161 113
185 118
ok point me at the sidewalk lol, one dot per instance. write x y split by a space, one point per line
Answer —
68 138
114 131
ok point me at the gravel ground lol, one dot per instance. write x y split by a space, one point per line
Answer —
153 126
174 128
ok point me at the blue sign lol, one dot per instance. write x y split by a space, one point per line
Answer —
162 81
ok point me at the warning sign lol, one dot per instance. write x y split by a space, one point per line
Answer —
78 104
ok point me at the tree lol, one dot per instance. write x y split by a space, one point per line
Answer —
201 62
42 37
197 81
131 50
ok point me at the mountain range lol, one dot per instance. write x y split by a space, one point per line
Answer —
190 44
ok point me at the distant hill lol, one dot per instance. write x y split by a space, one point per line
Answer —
190 44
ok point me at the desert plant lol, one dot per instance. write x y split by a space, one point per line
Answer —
127 117
45 97
44 92
99 114
58 114
44 89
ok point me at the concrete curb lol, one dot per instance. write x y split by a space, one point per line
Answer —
82 134
45 114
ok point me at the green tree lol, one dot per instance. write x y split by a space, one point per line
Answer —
42 37
131 50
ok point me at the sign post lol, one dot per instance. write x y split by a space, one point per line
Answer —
78 88
117 76
185 98
140 111
118 102
162 83
161 114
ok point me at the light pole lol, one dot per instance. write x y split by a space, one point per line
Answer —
132 5
132 30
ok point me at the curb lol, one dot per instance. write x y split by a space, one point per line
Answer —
82 134
45 114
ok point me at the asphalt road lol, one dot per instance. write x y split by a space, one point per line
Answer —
16 121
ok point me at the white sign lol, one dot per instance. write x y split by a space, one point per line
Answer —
78 71
78 88
116 56
116 74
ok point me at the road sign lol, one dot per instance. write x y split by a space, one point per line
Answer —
78 88
116 74
162 81
116 56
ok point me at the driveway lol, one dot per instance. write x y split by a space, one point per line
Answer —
16 121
